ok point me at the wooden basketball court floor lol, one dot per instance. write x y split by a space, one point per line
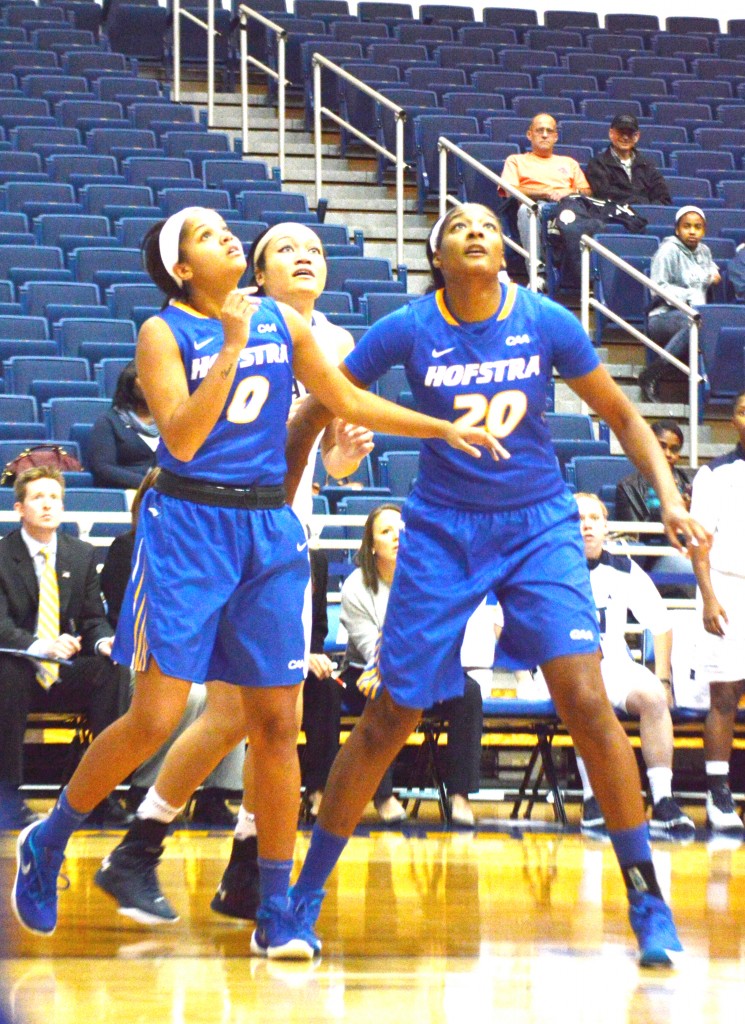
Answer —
516 924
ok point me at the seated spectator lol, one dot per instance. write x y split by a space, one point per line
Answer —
50 604
620 586
623 173
736 273
541 174
364 600
210 807
638 502
683 265
123 441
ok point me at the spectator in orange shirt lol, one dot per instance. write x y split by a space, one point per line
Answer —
541 174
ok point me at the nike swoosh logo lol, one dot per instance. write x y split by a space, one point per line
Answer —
436 353
25 868
302 547
201 344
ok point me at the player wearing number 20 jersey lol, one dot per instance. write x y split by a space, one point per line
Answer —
473 526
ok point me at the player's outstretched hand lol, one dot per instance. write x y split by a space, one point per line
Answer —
679 523
715 617
466 438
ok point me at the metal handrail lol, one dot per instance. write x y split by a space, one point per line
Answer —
245 16
444 147
588 244
319 61
209 27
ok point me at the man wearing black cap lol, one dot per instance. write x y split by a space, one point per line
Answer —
622 173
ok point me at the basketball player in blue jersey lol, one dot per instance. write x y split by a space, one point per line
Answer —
480 352
220 572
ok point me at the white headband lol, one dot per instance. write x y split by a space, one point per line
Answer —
689 209
168 241
284 228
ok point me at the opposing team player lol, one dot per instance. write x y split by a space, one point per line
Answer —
481 352
220 573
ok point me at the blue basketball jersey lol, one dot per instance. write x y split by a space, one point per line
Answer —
495 373
247 444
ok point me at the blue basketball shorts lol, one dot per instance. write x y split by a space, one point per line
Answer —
533 559
217 593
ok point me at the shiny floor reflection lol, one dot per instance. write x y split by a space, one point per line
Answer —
515 927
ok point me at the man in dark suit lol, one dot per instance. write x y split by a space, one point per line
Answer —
67 621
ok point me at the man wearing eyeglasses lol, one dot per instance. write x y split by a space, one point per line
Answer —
623 173
542 174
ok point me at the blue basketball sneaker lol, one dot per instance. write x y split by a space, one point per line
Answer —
34 896
307 907
278 934
654 928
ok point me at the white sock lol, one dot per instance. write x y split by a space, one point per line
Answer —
660 782
156 808
586 786
717 771
246 824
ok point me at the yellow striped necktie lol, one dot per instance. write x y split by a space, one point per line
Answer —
48 624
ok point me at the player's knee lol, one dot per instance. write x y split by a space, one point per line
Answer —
385 724
584 706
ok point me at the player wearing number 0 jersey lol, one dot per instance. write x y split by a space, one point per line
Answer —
169 609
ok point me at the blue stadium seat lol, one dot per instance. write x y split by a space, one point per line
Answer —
54 87
79 169
398 471
40 197
446 14
138 31
715 317
692 24
172 200
109 200
120 142
45 390
427 130
108 371
617 43
62 413
570 426
47 257
21 110
725 367
596 474
37 296
616 289
97 65
374 305
24 328
430 36
61 228
690 115
254 205
340 269
102 266
384 10
570 19
130 231
71 335
675 44
19 409
601 65
123 299
21 371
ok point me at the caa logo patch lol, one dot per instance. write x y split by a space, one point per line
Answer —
266 328
298 663
517 339
581 634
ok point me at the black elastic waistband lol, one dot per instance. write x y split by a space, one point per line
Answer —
219 495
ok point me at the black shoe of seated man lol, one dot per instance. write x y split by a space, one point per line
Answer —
109 814
238 892
14 811
210 808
